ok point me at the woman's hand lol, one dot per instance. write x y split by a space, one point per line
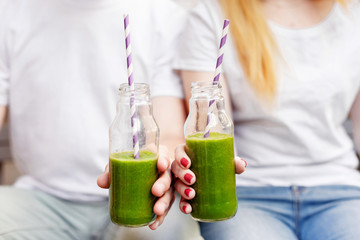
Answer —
186 178
161 188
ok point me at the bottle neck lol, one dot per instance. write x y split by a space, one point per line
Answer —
201 90
140 93
207 110
204 95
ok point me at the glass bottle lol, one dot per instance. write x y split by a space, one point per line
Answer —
131 180
212 157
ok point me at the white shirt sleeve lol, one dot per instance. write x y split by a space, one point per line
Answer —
355 119
168 25
4 61
199 46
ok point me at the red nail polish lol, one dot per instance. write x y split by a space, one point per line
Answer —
188 177
187 192
184 162
245 162
184 209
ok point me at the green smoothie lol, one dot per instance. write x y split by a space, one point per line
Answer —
212 161
131 200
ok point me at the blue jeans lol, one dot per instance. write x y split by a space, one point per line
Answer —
287 213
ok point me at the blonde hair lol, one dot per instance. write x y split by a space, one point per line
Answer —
254 43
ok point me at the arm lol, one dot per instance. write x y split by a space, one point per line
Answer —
169 113
355 119
180 167
3 113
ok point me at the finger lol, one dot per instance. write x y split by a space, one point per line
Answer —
185 175
185 207
162 207
181 157
240 165
163 203
185 191
103 180
162 184
163 162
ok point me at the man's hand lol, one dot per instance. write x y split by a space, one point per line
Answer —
162 187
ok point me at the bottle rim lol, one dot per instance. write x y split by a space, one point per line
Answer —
205 86
139 89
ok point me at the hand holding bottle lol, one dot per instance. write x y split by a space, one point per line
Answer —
161 188
186 178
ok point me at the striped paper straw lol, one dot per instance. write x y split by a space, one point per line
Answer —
217 73
131 85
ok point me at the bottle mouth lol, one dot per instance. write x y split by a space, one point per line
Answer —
205 86
139 89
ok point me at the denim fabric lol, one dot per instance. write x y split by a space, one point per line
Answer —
287 213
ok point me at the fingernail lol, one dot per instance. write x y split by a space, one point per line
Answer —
184 162
245 162
155 224
187 192
188 177
184 208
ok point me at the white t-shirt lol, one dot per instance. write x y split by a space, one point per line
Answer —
301 140
186 3
61 65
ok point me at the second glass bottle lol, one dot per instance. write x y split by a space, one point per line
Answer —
212 157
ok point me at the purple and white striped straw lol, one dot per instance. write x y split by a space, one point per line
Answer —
217 74
131 85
